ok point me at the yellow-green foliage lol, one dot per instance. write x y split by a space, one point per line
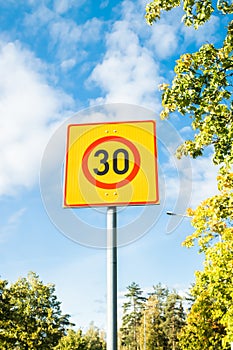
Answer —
202 90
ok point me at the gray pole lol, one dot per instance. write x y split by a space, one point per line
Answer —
111 278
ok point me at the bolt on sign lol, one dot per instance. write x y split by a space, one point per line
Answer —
111 164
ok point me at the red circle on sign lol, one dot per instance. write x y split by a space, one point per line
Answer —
113 185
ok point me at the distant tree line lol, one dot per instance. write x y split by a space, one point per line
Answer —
31 319
153 322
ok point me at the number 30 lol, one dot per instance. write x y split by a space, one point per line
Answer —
104 161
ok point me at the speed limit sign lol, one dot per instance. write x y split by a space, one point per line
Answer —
111 164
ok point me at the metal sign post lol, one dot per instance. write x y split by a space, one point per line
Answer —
111 278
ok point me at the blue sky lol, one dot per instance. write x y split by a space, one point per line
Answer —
60 60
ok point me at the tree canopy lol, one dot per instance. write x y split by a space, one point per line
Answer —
31 317
196 12
202 90
93 339
210 321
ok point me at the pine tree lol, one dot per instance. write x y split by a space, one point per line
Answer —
151 331
174 316
132 315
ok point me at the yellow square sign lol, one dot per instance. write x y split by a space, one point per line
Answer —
111 164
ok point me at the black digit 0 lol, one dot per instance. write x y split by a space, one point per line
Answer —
102 161
115 161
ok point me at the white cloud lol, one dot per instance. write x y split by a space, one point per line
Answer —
204 180
104 4
91 30
6 229
200 182
187 183
39 17
70 39
14 218
65 31
68 64
186 130
29 109
61 6
128 72
67 38
164 39
131 68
